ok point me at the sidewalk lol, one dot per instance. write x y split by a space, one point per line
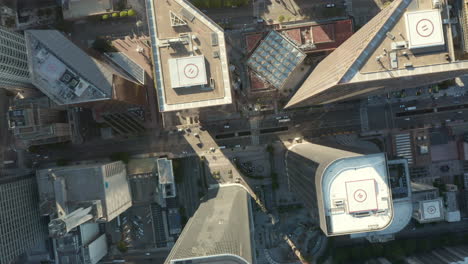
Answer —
455 91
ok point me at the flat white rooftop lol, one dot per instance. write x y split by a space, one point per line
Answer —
424 29
187 71
431 209
357 195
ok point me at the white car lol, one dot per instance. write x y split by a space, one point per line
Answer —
330 5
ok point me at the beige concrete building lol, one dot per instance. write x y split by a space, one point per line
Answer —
409 43
34 122
190 57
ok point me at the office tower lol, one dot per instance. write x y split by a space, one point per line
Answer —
408 44
345 192
14 72
69 76
34 122
75 195
190 57
220 231
20 221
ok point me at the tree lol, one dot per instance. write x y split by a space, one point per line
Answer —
103 45
115 14
62 162
270 149
123 156
281 19
131 12
122 246
48 12
105 17
123 13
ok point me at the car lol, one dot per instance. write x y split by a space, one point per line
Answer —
226 125
222 147
278 117
237 146
407 119
330 5
196 135
137 217
147 254
212 149
238 180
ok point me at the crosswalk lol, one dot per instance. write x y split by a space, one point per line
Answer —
403 147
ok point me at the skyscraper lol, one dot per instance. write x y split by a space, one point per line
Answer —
345 192
14 72
220 231
408 44
20 222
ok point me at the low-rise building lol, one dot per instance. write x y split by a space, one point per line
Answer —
79 194
34 121
428 211
73 9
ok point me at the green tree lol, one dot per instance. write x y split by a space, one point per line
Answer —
122 246
48 12
123 156
281 19
115 15
131 12
62 162
123 13
103 45
105 17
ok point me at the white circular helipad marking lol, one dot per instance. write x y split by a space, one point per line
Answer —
360 195
424 28
431 209
191 71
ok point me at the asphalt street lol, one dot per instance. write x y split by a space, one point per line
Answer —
418 113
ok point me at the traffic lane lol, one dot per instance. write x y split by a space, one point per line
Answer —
432 119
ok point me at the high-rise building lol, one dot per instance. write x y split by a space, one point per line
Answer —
75 195
14 72
345 192
69 76
191 68
34 122
220 231
21 227
408 44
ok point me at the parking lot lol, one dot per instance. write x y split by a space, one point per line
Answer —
134 227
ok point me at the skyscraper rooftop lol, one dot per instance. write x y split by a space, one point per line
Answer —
356 194
409 43
219 232
190 57
346 192
68 75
